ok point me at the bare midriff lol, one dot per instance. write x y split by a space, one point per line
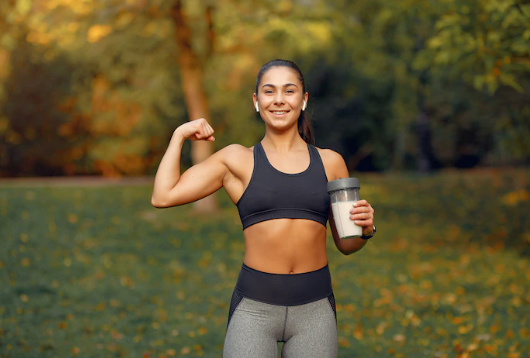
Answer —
285 246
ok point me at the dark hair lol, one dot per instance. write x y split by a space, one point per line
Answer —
304 127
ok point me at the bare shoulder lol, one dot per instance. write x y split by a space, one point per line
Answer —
333 163
330 156
234 152
236 157
238 161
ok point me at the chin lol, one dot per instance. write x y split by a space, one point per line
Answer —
281 124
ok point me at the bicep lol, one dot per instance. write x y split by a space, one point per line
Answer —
335 166
198 181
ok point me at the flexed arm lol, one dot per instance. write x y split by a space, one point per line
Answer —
171 188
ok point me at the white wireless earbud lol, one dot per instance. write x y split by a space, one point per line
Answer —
303 107
256 105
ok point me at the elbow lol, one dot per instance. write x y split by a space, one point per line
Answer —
346 253
158 203
350 251
163 203
350 246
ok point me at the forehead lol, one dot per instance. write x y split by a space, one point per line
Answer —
279 76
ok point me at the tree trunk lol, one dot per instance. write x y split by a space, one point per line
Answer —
191 71
399 149
424 142
423 129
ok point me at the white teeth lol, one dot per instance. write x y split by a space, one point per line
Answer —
279 112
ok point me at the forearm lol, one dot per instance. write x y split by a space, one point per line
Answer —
168 173
348 246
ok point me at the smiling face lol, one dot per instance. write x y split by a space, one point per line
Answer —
280 97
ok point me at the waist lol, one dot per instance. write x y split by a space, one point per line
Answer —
284 245
284 289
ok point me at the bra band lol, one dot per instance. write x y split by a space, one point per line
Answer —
272 194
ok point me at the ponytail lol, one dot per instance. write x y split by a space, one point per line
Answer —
304 128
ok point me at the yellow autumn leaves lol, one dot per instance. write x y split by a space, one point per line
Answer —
514 197
97 32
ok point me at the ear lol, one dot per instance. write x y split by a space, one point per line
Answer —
255 99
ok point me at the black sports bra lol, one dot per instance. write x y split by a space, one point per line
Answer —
272 194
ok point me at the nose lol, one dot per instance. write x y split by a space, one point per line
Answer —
278 99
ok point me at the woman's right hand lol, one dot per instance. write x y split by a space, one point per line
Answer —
198 129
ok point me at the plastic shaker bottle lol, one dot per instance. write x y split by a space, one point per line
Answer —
343 193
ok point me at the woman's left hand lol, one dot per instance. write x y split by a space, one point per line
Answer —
363 215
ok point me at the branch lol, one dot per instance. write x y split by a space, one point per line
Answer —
187 56
182 31
211 33
518 6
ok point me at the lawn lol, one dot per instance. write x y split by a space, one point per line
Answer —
89 271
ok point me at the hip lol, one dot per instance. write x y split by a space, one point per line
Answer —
284 289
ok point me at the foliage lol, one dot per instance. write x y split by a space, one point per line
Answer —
97 271
106 93
124 92
485 42
385 69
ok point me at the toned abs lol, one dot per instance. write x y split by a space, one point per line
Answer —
285 246
280 246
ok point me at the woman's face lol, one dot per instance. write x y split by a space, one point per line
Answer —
280 97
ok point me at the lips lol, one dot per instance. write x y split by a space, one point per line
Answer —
279 113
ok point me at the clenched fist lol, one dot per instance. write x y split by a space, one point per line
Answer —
198 129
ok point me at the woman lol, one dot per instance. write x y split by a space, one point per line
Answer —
283 293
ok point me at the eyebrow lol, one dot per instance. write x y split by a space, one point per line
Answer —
285 85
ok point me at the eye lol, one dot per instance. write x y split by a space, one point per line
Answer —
289 91
268 91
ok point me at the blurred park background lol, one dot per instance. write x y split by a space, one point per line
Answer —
98 86
427 101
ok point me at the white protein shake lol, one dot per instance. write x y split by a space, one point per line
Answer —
343 193
346 227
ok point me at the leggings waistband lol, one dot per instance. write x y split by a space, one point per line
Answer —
284 289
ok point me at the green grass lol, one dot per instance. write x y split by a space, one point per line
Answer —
98 272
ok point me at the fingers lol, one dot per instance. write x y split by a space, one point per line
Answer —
204 126
208 132
362 213
363 216
362 206
203 130
368 222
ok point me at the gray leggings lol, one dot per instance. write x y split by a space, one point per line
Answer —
307 330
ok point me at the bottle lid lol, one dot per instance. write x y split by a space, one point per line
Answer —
343 184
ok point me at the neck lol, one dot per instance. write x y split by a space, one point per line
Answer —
283 142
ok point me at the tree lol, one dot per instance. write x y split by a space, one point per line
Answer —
192 75
405 63
126 73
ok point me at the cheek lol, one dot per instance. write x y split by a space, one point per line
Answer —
264 100
295 103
